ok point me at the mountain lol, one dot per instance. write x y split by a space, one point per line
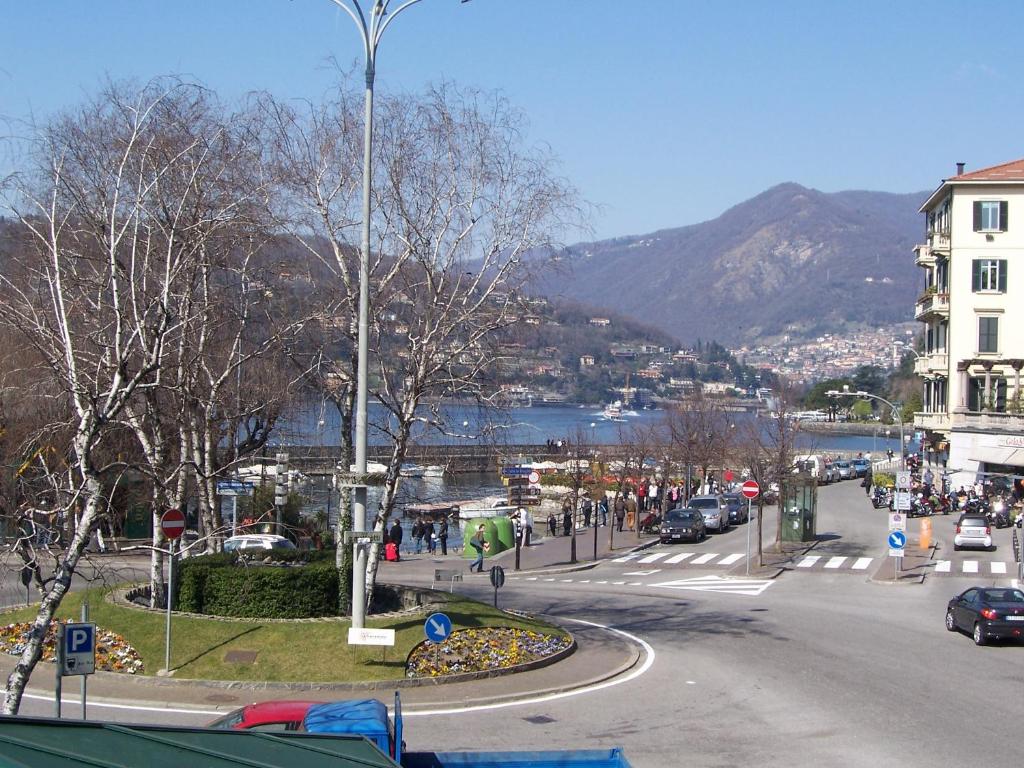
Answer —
790 261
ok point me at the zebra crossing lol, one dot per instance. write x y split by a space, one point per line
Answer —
718 560
974 567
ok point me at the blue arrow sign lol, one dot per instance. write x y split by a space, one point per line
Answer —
437 627
516 471
897 540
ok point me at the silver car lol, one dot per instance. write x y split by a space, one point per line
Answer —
715 510
846 470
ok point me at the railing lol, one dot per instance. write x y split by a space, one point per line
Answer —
931 363
938 241
932 421
995 420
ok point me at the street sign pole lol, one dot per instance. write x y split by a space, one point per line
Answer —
749 503
60 669
170 597
84 678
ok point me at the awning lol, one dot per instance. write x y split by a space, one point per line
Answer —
1013 457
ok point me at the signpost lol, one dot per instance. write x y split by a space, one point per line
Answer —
437 627
897 541
233 489
516 471
172 525
76 654
363 537
749 489
497 581
897 521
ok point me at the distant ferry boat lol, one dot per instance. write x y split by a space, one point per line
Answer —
810 416
613 411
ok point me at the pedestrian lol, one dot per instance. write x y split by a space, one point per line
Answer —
588 509
552 523
527 518
430 535
653 496
566 516
620 513
417 533
602 509
477 542
867 482
641 494
442 534
395 535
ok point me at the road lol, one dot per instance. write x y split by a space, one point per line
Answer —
821 666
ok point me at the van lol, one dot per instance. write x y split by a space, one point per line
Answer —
812 465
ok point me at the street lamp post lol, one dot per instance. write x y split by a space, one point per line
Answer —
371 28
833 393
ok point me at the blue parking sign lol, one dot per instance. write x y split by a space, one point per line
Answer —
78 649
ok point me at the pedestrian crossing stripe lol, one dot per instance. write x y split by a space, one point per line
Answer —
995 567
808 561
715 559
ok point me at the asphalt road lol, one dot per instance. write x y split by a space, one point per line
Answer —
820 667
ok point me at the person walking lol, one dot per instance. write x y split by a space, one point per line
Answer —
566 517
632 514
620 513
588 510
477 543
395 535
602 510
442 534
552 523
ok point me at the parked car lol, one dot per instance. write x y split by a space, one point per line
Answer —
846 470
251 542
972 530
683 525
715 511
861 466
265 716
737 508
987 612
831 472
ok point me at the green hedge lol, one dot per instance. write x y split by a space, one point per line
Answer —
224 585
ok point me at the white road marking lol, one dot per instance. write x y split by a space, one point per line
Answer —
652 558
648 663
642 573
548 579
531 578
678 558
704 558
835 562
565 580
626 558
584 581
751 587
970 566
136 707
862 563
998 567
943 566
635 584
808 561
600 582
730 559
618 583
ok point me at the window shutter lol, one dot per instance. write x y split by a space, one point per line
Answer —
977 215
1002 275
1004 212
976 274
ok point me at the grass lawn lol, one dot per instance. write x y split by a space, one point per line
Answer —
285 651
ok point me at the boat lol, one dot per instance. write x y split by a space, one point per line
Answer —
613 411
491 506
434 470
410 469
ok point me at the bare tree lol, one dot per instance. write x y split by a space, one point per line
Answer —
93 294
698 430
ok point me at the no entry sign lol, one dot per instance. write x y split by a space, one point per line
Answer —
172 523
750 489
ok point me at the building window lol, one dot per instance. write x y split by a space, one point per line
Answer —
990 215
988 334
992 400
988 275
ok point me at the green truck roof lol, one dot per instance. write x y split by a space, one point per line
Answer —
45 742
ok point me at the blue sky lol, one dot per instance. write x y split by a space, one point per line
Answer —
662 112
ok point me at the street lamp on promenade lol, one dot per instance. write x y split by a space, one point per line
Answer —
371 28
833 393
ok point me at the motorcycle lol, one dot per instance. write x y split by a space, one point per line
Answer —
1000 514
880 497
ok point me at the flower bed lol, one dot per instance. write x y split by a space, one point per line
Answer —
113 653
481 650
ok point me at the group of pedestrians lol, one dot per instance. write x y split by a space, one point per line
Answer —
423 531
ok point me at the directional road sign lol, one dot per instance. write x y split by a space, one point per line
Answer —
233 488
750 489
172 523
365 536
516 471
437 627
897 541
78 649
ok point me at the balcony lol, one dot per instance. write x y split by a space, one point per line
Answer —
932 304
987 421
935 362
939 243
923 256
932 422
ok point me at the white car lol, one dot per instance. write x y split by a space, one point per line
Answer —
252 542
972 530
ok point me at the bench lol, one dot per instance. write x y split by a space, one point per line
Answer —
451 577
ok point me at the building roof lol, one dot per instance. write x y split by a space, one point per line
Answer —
43 742
1005 173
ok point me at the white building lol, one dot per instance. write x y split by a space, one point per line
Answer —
972 308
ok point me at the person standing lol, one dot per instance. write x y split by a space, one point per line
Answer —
632 515
620 513
588 510
566 517
442 534
552 523
602 510
395 535
417 534
430 535
477 543
641 494
653 496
